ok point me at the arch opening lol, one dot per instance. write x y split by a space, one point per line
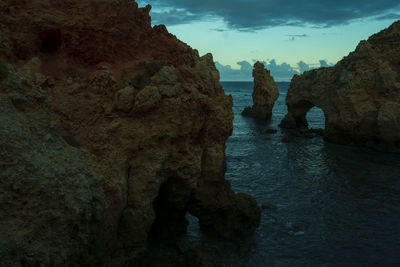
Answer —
170 209
315 118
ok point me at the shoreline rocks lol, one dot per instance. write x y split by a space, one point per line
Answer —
360 95
265 93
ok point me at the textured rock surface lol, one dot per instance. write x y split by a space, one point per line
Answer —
51 198
138 103
265 93
360 96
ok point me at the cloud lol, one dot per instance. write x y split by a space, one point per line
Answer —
280 72
229 74
258 14
392 16
174 17
303 66
293 37
324 64
298 35
245 66
219 30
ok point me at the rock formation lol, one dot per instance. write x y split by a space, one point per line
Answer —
140 140
360 96
265 93
51 197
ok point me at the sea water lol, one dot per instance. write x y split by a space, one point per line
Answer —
323 204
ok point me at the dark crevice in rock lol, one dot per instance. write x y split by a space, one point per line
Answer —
128 176
51 40
124 215
3 72
170 208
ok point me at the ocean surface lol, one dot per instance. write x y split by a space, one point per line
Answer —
323 204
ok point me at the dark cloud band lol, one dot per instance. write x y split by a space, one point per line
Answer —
257 14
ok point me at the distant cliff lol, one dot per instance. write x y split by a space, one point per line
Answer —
265 93
360 96
111 130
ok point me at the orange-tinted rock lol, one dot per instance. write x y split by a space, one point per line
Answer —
141 105
360 96
265 93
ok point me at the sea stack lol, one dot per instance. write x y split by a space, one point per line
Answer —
360 95
111 131
265 93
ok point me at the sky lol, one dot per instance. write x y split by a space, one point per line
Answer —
289 36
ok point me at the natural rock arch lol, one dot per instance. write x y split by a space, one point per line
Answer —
315 118
360 95
297 118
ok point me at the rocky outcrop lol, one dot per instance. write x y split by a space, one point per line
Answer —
51 198
265 93
360 96
141 138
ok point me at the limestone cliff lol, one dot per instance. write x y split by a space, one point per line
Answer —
360 96
51 197
140 113
265 93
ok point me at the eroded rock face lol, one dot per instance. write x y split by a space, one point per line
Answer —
51 198
265 93
360 96
142 107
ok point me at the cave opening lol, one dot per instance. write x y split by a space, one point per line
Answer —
316 118
50 41
170 207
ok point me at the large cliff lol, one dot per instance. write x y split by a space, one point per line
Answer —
265 93
140 140
51 198
360 95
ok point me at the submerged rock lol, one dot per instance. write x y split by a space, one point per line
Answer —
360 96
144 121
265 93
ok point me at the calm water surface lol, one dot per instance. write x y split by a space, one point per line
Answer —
324 204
